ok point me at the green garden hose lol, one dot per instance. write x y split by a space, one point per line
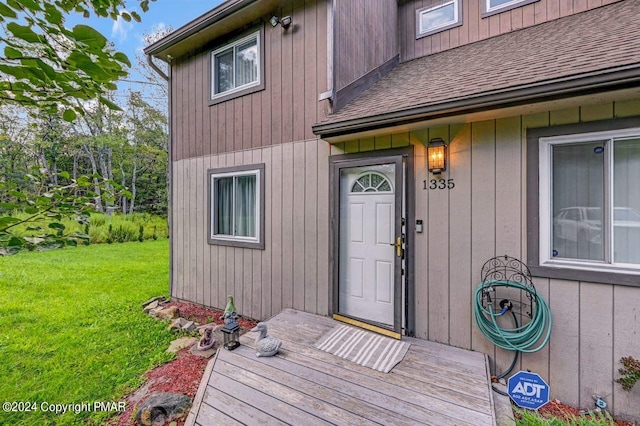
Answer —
521 338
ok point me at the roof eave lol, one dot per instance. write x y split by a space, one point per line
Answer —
576 85
225 9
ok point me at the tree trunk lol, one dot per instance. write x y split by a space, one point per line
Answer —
134 175
94 169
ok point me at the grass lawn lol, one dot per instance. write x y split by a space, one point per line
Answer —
72 329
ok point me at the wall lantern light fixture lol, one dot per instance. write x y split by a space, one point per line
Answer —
437 156
285 21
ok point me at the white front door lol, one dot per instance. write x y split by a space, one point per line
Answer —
367 232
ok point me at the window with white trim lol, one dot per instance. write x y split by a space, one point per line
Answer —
237 206
589 201
236 66
489 7
438 18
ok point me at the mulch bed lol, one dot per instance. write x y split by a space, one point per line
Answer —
183 374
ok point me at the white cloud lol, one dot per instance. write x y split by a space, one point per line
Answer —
120 28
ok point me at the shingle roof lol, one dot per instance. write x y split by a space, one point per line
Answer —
604 38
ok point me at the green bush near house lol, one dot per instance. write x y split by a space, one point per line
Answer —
72 329
116 228
532 418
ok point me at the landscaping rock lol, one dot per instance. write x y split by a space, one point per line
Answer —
151 306
159 299
212 325
189 326
171 312
181 343
204 354
154 312
177 324
162 407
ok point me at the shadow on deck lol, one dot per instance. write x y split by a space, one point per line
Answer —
434 384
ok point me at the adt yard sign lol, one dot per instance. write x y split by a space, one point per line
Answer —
528 390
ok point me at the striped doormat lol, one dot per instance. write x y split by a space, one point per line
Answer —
363 347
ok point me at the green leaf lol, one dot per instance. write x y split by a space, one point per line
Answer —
122 58
15 242
125 16
12 53
23 32
89 36
31 210
69 115
135 16
8 206
6 11
52 14
56 225
7 220
64 174
109 104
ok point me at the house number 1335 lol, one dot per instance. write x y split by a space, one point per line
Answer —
438 184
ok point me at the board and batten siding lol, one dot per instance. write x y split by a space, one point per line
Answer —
594 325
474 27
295 74
293 270
365 37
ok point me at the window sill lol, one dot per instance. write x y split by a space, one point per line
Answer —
486 14
236 94
581 273
259 245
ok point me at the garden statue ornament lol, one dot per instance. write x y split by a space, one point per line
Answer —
207 341
265 345
230 312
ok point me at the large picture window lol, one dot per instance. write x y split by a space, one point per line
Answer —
237 206
438 18
589 201
235 67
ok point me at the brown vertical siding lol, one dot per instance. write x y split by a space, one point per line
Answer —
484 216
295 74
365 37
475 27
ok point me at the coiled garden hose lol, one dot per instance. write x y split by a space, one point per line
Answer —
521 338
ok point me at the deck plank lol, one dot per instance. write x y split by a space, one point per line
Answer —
319 385
269 403
434 384
219 401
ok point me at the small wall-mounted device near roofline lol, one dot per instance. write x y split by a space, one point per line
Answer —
285 21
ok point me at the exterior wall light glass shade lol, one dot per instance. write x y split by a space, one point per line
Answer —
437 156
285 21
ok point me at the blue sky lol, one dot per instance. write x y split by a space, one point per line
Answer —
127 36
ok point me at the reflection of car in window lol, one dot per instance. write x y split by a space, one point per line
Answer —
585 223
579 223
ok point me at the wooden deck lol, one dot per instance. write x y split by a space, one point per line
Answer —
434 384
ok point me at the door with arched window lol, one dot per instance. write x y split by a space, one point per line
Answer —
369 244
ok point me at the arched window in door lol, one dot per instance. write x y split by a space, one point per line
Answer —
372 182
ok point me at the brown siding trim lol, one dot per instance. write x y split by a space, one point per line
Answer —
350 91
584 84
486 14
262 61
260 244
533 202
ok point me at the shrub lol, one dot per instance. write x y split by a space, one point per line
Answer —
630 372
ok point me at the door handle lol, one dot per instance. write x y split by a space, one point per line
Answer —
398 246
